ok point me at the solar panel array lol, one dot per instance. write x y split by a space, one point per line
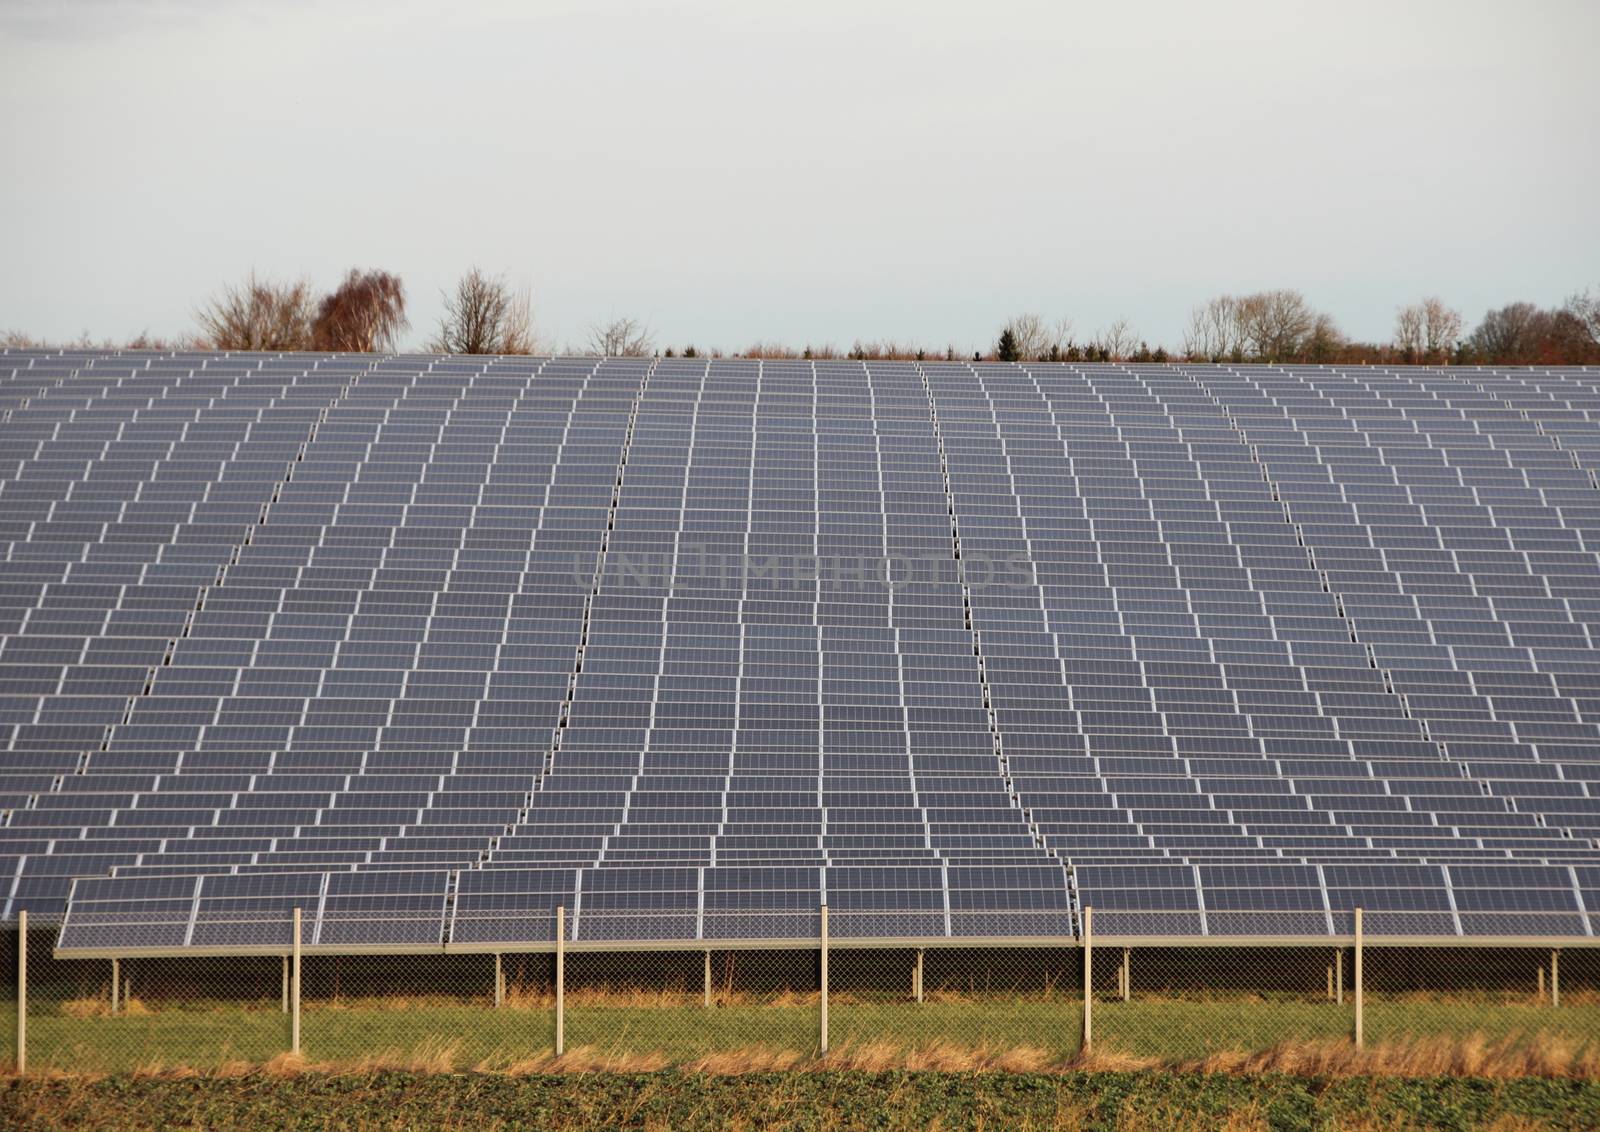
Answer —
429 646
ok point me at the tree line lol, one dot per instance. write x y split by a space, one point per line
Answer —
483 314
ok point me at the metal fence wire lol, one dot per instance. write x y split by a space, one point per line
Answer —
859 991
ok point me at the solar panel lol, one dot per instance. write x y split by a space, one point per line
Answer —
427 646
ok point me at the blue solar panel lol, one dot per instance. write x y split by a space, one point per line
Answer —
959 648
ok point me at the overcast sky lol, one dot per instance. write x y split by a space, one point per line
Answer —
734 170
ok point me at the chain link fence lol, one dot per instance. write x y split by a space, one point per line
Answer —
1187 1003
862 991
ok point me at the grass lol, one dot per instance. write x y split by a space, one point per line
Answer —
620 1031
818 1101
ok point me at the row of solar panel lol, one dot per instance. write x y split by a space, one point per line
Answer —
813 458
512 906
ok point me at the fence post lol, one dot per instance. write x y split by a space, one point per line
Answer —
823 1036
22 992
294 990
707 1000
1127 974
116 984
1360 1036
499 982
561 979
1088 985
1555 977
1330 982
916 978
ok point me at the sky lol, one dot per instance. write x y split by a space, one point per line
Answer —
734 171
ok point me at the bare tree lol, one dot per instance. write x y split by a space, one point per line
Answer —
622 338
1584 307
1427 331
1441 328
763 350
1409 335
365 314
1215 331
1035 339
484 316
1278 325
886 350
1118 340
144 340
1507 334
259 315
1269 325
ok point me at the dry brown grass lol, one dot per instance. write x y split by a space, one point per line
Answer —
1510 997
878 1057
1540 1054
285 1065
101 1007
1476 1055
543 999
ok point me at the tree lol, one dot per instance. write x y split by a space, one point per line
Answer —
484 316
1523 334
1270 326
259 315
1277 325
1566 340
1215 330
622 338
1325 342
1441 328
1584 307
1427 331
1116 341
1006 348
1037 340
364 314
1508 334
1408 333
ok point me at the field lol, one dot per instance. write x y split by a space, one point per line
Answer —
1462 1034
993 1047
822 1100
